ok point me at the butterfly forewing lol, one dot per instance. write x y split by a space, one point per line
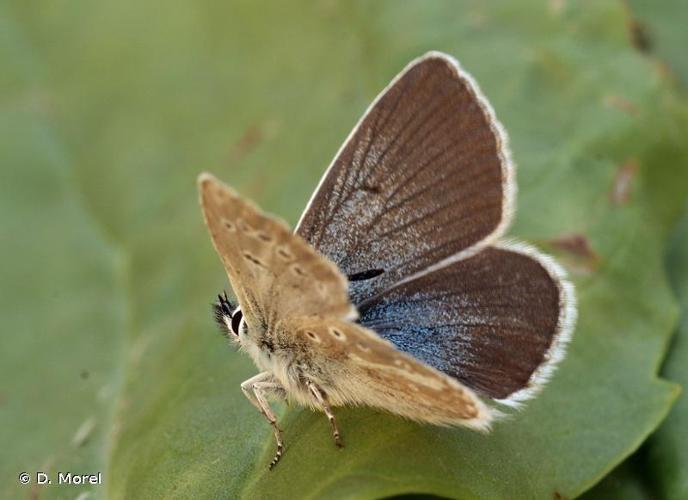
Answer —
496 321
425 175
273 271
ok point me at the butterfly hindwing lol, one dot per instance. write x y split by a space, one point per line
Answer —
359 367
273 271
424 175
497 321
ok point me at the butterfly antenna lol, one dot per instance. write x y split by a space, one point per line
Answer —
222 309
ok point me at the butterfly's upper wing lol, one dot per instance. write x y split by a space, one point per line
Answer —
497 321
353 365
272 271
425 175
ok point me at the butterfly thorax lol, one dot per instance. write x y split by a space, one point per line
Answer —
282 361
267 349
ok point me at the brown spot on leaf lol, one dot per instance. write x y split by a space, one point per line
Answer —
248 141
581 256
252 137
576 244
620 193
638 35
614 101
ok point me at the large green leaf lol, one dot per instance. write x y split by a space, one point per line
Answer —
667 453
660 467
104 133
62 292
658 30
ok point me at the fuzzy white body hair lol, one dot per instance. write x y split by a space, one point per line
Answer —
281 366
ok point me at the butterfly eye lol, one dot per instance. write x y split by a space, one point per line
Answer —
237 321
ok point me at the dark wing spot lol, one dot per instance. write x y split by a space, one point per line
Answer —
365 275
370 188
283 253
251 258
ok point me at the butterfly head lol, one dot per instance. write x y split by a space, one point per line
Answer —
228 316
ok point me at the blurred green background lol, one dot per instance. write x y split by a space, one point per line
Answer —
110 361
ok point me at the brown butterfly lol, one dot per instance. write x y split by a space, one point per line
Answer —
396 291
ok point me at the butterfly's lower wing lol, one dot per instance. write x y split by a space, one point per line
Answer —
498 321
353 365
272 271
424 175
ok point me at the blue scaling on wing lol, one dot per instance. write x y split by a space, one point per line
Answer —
423 326
488 321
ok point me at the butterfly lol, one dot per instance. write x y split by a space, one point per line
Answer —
396 290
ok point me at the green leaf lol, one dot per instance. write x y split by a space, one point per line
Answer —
667 456
62 298
625 482
104 134
660 467
659 29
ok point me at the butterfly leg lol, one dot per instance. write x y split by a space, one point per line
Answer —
255 390
322 402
